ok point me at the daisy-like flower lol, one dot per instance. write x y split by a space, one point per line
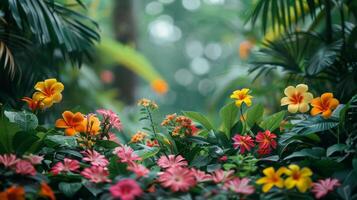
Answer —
111 117
221 176
48 92
201 176
159 86
139 170
242 96
177 179
13 193
25 168
113 137
68 165
272 178
8 160
297 98
266 141
126 154
72 123
240 186
171 161
298 177
91 124
96 174
34 159
47 192
95 158
324 105
126 189
323 187
243 142
33 104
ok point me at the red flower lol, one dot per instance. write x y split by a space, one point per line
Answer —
25 167
223 158
266 142
171 161
243 142
126 189
68 165
177 179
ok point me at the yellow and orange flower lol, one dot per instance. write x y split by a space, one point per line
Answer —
72 123
13 193
242 96
244 49
272 178
138 137
48 92
33 104
298 178
324 104
91 124
47 192
297 98
147 103
159 86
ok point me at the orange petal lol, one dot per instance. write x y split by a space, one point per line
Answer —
67 116
77 118
40 86
333 103
325 97
57 87
316 102
315 111
60 123
70 131
327 114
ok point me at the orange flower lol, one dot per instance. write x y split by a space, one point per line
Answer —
91 124
244 49
46 191
73 123
324 104
138 137
33 104
13 193
159 86
48 92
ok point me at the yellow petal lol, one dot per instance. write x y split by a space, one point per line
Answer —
304 107
303 184
40 86
262 180
247 101
245 90
280 183
239 103
306 171
326 96
294 167
293 108
289 91
57 87
289 183
302 88
284 101
327 113
38 96
267 187
50 82
281 171
307 97
57 97
269 171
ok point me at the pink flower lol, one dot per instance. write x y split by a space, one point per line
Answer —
34 159
201 176
239 186
243 142
113 137
322 187
8 160
139 170
68 165
126 154
223 158
126 189
95 158
177 179
171 161
25 167
111 118
96 174
222 176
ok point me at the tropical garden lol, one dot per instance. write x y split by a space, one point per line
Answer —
178 99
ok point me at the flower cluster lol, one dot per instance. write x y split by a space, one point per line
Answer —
266 142
23 166
138 137
146 103
179 125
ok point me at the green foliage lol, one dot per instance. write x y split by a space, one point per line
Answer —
273 121
24 119
7 133
229 115
198 117
254 114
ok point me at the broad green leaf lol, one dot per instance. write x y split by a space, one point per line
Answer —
315 152
7 132
229 115
198 117
107 144
23 141
69 189
254 114
24 119
147 152
61 140
314 125
272 122
116 168
334 148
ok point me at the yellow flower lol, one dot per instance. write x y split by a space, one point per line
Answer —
147 103
297 98
138 137
159 86
324 104
48 92
242 96
272 178
91 124
299 178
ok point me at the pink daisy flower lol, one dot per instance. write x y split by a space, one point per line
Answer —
96 174
323 187
220 175
139 170
171 161
126 154
113 137
177 179
95 158
34 159
201 176
111 118
126 189
25 168
68 165
240 186
243 142
8 160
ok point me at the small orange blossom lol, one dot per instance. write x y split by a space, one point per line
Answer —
324 104
72 123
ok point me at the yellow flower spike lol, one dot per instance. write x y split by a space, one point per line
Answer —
297 98
48 92
299 178
272 178
242 96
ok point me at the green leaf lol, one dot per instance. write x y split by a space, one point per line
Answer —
116 168
24 119
272 122
61 140
69 189
198 117
7 132
315 152
334 148
23 141
314 125
147 152
254 114
229 115
107 144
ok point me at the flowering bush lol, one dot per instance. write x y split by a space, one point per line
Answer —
249 156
